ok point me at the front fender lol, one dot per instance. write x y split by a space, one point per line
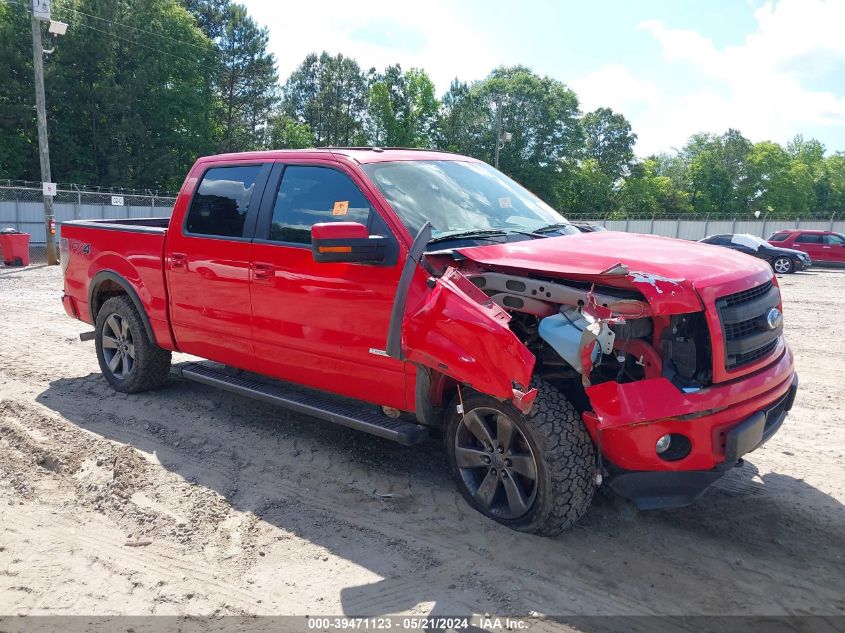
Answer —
451 326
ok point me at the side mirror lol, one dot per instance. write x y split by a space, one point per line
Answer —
346 242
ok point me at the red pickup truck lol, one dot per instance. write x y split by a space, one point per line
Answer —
410 293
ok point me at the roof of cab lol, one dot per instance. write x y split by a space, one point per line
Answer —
360 155
802 231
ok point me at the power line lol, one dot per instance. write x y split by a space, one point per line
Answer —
134 28
119 24
152 48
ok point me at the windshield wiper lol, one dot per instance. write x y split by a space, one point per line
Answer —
552 227
469 233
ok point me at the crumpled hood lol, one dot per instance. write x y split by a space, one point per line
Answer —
663 269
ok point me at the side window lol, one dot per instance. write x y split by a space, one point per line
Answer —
834 240
221 202
779 237
808 238
309 195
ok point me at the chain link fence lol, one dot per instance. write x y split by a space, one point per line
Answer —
22 207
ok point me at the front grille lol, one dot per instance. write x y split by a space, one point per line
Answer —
738 330
744 296
750 357
743 315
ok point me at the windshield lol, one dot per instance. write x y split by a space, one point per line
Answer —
459 196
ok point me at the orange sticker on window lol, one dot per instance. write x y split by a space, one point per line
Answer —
341 207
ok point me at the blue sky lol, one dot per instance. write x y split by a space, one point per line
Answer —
772 69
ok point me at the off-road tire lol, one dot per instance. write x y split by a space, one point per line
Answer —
563 451
784 264
151 364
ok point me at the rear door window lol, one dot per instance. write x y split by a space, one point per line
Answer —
808 238
221 202
309 195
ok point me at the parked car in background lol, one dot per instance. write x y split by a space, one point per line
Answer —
782 260
823 247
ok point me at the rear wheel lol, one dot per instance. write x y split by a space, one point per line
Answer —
783 265
533 473
129 360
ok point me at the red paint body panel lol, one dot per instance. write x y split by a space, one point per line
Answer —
630 444
315 324
268 307
661 268
457 330
137 257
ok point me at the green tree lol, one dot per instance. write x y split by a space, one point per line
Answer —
830 186
127 108
591 190
718 173
652 188
286 133
463 123
403 108
541 114
330 95
609 141
18 142
784 185
248 82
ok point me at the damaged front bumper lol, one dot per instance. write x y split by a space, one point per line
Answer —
722 423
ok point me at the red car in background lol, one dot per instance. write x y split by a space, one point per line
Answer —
825 248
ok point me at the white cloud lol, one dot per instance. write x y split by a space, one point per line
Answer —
615 87
757 87
442 42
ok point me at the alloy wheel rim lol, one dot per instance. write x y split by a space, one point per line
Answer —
781 265
496 463
118 346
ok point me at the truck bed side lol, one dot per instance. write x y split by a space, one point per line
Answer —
103 257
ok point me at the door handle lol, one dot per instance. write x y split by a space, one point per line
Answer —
178 261
262 271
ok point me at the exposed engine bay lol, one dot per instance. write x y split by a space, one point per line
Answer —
584 334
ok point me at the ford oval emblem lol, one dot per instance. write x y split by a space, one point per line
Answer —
774 318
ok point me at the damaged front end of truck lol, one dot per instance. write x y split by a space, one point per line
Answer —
678 368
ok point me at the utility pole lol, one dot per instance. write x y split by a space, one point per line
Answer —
498 129
43 148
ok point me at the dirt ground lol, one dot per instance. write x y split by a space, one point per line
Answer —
188 500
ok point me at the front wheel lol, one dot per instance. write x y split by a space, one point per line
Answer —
783 265
129 360
533 473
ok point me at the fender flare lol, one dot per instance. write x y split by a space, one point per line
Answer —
110 275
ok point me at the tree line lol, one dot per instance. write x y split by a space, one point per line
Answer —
137 89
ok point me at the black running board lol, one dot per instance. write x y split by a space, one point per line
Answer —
343 411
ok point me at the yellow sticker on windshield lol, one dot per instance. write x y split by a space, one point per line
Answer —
341 207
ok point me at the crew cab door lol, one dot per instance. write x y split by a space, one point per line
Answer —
322 324
207 263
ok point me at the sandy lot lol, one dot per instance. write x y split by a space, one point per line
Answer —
190 501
